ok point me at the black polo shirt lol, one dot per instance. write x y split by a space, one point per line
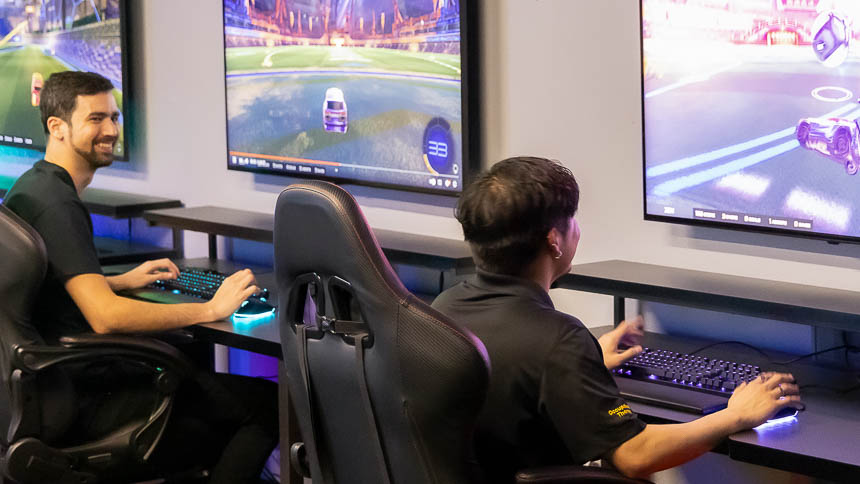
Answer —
551 399
45 197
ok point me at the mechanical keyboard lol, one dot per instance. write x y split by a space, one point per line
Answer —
680 381
196 283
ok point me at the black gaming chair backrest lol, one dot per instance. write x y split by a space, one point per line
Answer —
24 264
426 377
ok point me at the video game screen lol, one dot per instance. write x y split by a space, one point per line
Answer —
364 91
41 37
751 114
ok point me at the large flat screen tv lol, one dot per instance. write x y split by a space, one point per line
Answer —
41 37
374 92
751 115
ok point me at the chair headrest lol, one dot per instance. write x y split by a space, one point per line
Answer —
320 228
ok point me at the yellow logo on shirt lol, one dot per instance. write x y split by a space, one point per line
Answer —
621 411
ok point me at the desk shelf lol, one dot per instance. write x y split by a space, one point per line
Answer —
399 247
117 205
783 301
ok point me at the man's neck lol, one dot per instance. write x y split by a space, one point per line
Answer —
80 171
540 271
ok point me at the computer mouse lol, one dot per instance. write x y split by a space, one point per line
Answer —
254 307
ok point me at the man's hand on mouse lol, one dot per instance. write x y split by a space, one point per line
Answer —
753 403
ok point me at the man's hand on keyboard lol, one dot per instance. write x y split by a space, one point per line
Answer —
233 291
755 402
629 333
144 274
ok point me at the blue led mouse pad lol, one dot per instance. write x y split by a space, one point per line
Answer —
751 114
366 91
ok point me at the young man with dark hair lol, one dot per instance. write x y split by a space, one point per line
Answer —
552 400
224 421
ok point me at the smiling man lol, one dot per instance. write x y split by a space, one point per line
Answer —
225 423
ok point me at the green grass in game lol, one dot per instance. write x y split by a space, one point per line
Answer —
346 58
16 72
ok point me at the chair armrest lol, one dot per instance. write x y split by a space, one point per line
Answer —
574 474
90 346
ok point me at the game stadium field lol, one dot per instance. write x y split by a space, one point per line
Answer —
17 65
391 98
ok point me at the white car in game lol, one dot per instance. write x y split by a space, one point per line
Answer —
335 117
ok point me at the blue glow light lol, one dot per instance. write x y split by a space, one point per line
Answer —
780 422
251 318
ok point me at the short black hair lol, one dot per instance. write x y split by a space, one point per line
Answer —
507 212
61 91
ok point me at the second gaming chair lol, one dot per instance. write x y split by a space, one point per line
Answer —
38 401
386 389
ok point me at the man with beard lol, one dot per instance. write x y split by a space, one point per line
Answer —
224 422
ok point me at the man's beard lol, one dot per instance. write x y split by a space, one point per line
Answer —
95 159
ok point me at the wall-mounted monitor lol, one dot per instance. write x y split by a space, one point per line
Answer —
751 113
41 37
373 92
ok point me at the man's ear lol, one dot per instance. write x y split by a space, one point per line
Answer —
553 240
56 128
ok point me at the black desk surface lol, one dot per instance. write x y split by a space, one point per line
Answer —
109 202
824 439
796 303
260 226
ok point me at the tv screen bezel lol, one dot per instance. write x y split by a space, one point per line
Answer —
829 238
126 81
469 100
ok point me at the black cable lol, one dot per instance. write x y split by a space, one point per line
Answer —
733 343
838 391
847 348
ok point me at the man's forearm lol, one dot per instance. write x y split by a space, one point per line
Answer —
126 315
660 447
116 283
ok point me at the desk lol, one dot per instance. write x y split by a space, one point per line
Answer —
399 247
823 442
117 205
